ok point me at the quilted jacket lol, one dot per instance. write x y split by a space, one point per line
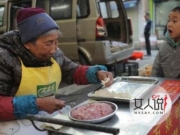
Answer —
11 49
10 68
167 61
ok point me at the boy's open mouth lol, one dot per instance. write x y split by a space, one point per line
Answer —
170 31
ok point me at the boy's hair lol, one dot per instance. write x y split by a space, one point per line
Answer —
176 9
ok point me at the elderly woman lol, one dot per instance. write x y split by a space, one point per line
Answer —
32 67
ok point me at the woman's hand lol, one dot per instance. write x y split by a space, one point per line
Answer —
103 75
49 104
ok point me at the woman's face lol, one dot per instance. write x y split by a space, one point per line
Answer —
173 26
45 46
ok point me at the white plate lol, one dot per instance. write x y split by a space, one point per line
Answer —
114 107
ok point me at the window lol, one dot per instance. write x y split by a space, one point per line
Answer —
108 9
61 9
1 15
114 9
103 9
83 8
58 9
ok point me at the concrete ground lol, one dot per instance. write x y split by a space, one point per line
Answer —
68 89
147 59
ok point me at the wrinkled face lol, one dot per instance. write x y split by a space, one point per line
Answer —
45 46
173 25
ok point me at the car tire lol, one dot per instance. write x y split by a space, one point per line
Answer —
83 60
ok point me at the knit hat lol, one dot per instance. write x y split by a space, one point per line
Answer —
33 22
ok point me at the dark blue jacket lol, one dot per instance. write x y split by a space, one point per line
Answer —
147 28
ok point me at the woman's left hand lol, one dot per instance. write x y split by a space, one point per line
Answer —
103 75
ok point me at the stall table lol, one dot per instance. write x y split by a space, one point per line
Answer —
123 119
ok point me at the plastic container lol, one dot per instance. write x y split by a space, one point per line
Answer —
145 70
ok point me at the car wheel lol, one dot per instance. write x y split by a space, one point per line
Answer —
83 60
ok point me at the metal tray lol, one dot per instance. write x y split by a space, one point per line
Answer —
125 89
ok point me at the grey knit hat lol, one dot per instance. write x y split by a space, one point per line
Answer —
33 22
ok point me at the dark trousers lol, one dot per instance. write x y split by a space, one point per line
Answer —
147 41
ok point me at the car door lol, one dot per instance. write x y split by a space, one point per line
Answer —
64 13
3 17
115 19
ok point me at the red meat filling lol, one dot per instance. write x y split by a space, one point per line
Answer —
92 111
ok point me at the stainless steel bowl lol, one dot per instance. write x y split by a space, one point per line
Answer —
113 105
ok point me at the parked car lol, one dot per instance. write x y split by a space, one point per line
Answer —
94 31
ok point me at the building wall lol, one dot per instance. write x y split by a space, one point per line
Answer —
133 15
137 18
141 19
138 22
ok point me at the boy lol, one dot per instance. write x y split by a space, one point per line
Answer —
167 61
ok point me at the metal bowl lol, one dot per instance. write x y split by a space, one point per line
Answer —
113 105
